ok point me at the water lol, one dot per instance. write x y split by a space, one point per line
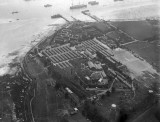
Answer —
33 18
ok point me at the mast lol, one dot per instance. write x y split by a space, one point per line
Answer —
72 2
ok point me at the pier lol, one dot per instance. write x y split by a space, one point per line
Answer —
101 20
74 18
92 16
65 18
59 16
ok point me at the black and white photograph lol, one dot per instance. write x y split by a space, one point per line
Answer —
79 60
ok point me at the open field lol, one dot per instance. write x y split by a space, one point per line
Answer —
140 30
149 51
148 115
135 65
45 105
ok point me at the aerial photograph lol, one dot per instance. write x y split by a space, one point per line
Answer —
79 60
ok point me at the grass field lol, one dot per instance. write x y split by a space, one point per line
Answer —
45 105
149 51
140 30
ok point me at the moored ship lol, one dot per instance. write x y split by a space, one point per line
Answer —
55 16
93 2
48 5
78 6
117 0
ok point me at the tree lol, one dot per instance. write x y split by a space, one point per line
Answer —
122 116
108 93
102 97
64 120
66 95
157 115
58 86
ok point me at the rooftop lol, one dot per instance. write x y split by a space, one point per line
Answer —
61 55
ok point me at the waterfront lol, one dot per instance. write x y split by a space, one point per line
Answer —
42 76
18 30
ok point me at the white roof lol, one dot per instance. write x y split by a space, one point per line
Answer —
113 105
150 91
69 90
76 109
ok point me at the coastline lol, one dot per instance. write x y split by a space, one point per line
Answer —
24 68
23 51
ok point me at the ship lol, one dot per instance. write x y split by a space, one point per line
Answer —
47 5
117 0
85 11
15 12
56 16
93 2
79 6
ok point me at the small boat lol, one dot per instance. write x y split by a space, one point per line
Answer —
117 0
55 16
78 6
85 11
15 12
47 5
93 2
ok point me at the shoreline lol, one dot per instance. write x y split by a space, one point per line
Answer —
50 31
43 39
6 69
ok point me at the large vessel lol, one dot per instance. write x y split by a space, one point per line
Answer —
15 12
55 16
79 6
93 2
47 5
117 0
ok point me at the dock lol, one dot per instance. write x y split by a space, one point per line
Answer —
65 18
75 19
59 16
92 16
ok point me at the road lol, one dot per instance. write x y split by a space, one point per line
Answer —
31 106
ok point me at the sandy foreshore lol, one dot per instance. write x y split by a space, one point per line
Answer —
17 55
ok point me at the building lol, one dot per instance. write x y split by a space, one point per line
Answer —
90 47
114 67
60 58
73 97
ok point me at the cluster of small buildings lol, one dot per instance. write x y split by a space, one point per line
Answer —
66 60
73 97
75 34
119 37
115 68
91 31
63 36
88 64
60 58
109 42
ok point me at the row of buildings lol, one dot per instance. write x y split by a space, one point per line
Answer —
95 54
